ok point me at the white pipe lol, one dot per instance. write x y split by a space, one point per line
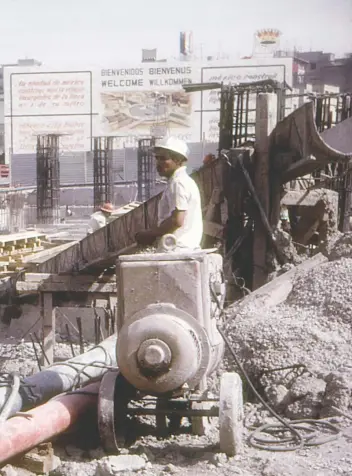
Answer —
61 377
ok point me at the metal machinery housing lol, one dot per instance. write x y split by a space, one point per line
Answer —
168 344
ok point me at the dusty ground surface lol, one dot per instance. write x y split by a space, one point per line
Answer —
185 454
310 333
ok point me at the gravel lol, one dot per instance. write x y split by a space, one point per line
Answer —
311 333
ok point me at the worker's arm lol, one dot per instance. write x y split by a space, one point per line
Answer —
170 225
179 197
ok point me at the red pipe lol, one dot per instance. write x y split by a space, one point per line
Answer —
20 433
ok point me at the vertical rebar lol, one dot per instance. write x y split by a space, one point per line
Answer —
48 179
80 333
103 170
70 340
146 169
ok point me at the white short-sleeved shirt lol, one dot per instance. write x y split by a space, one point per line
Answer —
97 220
182 193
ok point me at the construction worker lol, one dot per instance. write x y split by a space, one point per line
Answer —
208 159
179 209
100 218
285 220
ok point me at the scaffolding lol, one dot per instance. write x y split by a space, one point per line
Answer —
48 179
103 170
146 169
238 111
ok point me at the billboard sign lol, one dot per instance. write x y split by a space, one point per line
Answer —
136 101
247 72
41 102
128 103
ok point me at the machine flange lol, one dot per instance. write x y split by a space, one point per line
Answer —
114 396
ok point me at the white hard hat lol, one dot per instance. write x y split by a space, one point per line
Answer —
174 145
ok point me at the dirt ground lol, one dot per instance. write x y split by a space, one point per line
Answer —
184 453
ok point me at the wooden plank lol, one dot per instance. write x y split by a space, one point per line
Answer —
20 238
67 278
42 256
276 291
48 328
213 229
307 198
72 287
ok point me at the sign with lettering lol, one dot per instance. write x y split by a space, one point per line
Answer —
44 102
128 103
136 102
49 93
74 131
277 69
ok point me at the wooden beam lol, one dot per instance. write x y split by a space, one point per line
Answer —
265 122
64 278
44 255
307 198
213 229
48 314
276 291
51 283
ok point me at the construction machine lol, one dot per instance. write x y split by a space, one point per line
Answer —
168 345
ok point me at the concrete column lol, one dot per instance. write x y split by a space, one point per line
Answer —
266 119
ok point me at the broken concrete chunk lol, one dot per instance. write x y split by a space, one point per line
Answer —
112 465
338 393
307 385
307 407
277 395
9 470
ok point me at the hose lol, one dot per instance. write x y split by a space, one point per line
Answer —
303 431
6 409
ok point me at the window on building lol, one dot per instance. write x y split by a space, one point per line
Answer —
313 65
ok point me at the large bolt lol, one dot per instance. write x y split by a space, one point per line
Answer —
154 354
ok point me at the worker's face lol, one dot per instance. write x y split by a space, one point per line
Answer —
285 224
165 165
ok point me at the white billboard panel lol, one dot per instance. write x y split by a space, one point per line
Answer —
43 102
277 69
75 132
40 93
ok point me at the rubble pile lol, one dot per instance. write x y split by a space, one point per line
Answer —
299 353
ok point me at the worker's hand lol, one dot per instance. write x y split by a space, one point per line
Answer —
145 237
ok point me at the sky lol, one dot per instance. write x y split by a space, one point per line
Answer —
113 32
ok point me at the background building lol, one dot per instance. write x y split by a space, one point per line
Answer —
318 69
